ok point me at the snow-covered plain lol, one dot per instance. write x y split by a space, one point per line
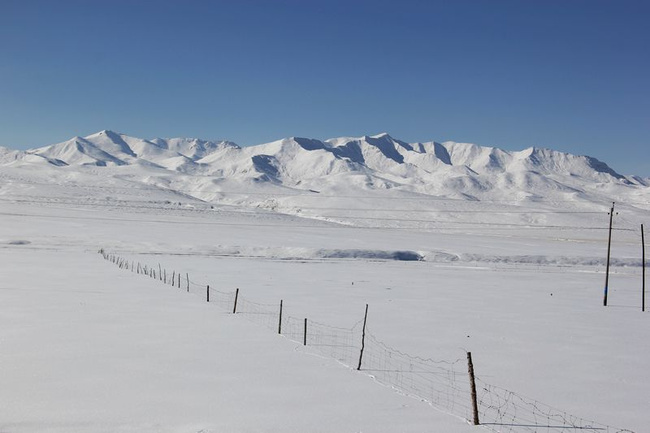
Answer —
510 267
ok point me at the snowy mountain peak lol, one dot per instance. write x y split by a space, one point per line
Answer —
448 169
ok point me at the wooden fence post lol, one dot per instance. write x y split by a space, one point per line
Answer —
363 337
187 277
207 291
280 320
234 308
304 339
472 384
160 271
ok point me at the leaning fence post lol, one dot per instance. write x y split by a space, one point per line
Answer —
363 337
472 384
234 308
187 277
280 321
304 339
159 271
207 291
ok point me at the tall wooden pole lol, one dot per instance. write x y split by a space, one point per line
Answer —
609 249
643 272
280 320
363 337
207 294
472 384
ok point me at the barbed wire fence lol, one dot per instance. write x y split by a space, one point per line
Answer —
445 385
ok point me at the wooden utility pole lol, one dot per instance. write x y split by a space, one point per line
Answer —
363 337
609 249
643 272
472 384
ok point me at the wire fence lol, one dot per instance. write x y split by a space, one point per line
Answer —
445 385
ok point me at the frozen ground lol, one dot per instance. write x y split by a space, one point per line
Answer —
86 346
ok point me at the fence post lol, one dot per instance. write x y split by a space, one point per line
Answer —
174 279
160 271
304 340
179 280
472 384
207 291
363 337
280 321
187 277
234 308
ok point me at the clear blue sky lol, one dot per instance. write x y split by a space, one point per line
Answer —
571 75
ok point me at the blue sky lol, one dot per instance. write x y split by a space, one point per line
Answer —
570 75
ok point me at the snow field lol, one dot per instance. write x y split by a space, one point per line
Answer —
526 302
95 349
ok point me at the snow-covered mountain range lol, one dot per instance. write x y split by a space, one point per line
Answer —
368 163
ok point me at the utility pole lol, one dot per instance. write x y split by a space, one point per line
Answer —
609 249
643 267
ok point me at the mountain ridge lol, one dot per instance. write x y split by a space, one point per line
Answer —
378 162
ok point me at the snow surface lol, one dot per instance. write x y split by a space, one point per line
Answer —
509 255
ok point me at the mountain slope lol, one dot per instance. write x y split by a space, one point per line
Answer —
368 163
